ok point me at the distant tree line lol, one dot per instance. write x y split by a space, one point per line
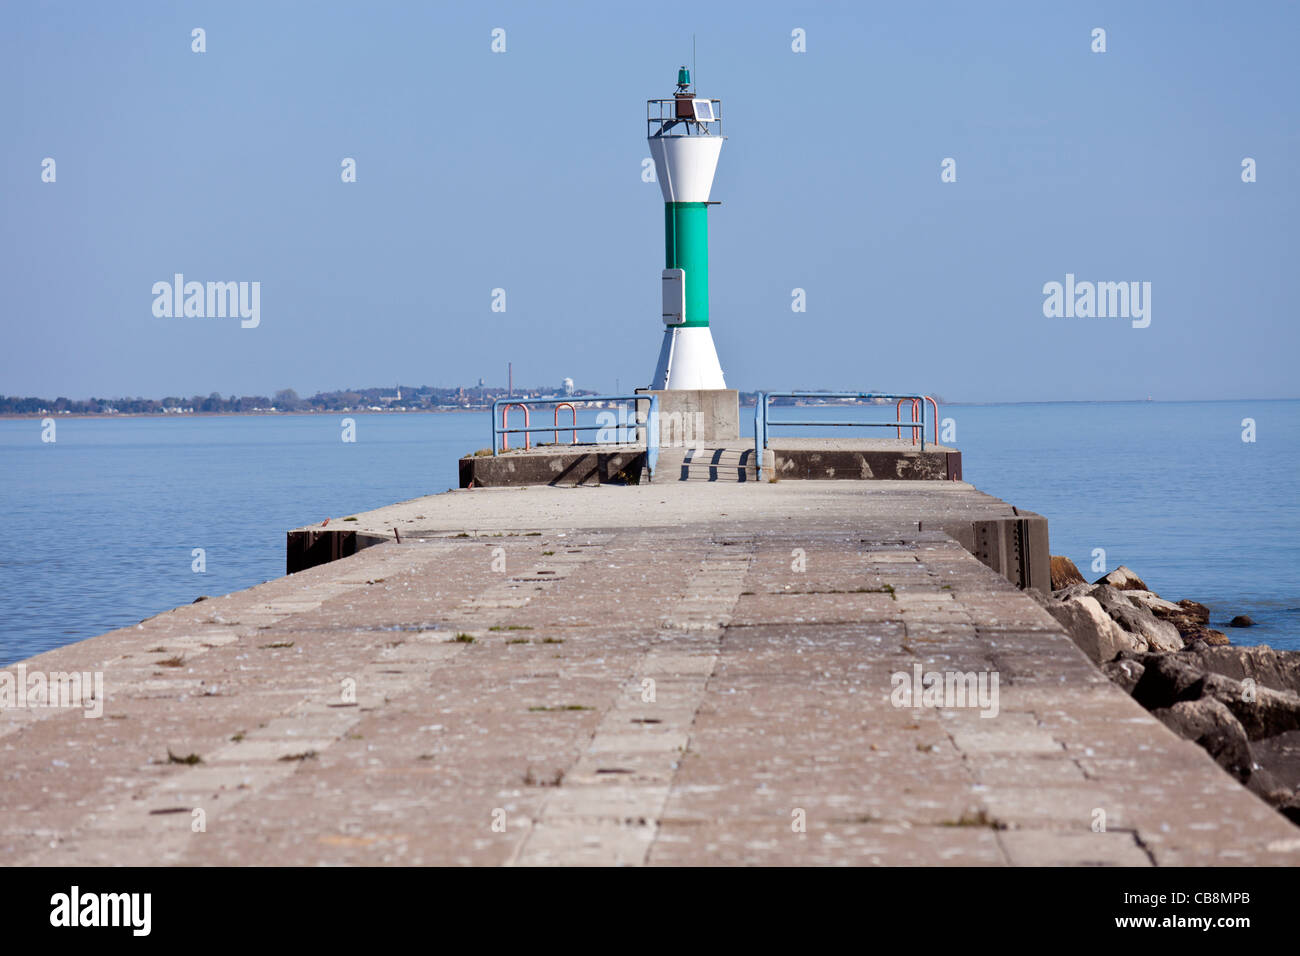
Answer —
285 400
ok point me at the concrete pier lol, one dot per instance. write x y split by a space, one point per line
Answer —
687 672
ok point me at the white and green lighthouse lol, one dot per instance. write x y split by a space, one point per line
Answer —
685 134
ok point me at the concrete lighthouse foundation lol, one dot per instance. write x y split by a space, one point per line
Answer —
691 416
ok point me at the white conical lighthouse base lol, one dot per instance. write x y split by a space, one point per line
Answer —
688 360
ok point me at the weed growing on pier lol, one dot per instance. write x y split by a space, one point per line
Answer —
275 646
305 755
177 661
532 780
551 640
511 627
979 818
883 589
237 738
462 638
559 708
188 759
517 640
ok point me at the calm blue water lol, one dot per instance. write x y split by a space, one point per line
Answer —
101 524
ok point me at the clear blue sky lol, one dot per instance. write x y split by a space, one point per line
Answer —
522 171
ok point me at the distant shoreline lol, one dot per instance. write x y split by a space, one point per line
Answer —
186 415
9 416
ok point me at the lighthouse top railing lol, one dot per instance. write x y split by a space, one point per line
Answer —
683 116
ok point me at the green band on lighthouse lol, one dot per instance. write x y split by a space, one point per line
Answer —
686 244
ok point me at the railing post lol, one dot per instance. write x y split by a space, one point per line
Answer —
652 436
505 419
569 406
492 416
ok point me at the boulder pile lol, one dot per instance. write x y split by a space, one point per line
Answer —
1241 704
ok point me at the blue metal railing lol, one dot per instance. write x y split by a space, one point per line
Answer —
651 423
762 420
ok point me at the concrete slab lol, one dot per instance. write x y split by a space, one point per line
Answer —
707 674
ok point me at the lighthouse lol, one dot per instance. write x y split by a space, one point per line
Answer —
685 135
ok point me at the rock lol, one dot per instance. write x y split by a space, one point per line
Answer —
1279 670
1241 620
1074 590
1123 579
1124 671
1291 809
1200 632
1269 788
1109 597
1240 704
1280 755
1215 729
1165 680
1044 598
1064 573
1092 629
1155 604
1268 714
1188 617
1137 619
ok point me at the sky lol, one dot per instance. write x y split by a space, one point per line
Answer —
522 170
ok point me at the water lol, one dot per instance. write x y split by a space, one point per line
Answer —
102 523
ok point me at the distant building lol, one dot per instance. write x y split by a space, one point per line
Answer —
568 386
